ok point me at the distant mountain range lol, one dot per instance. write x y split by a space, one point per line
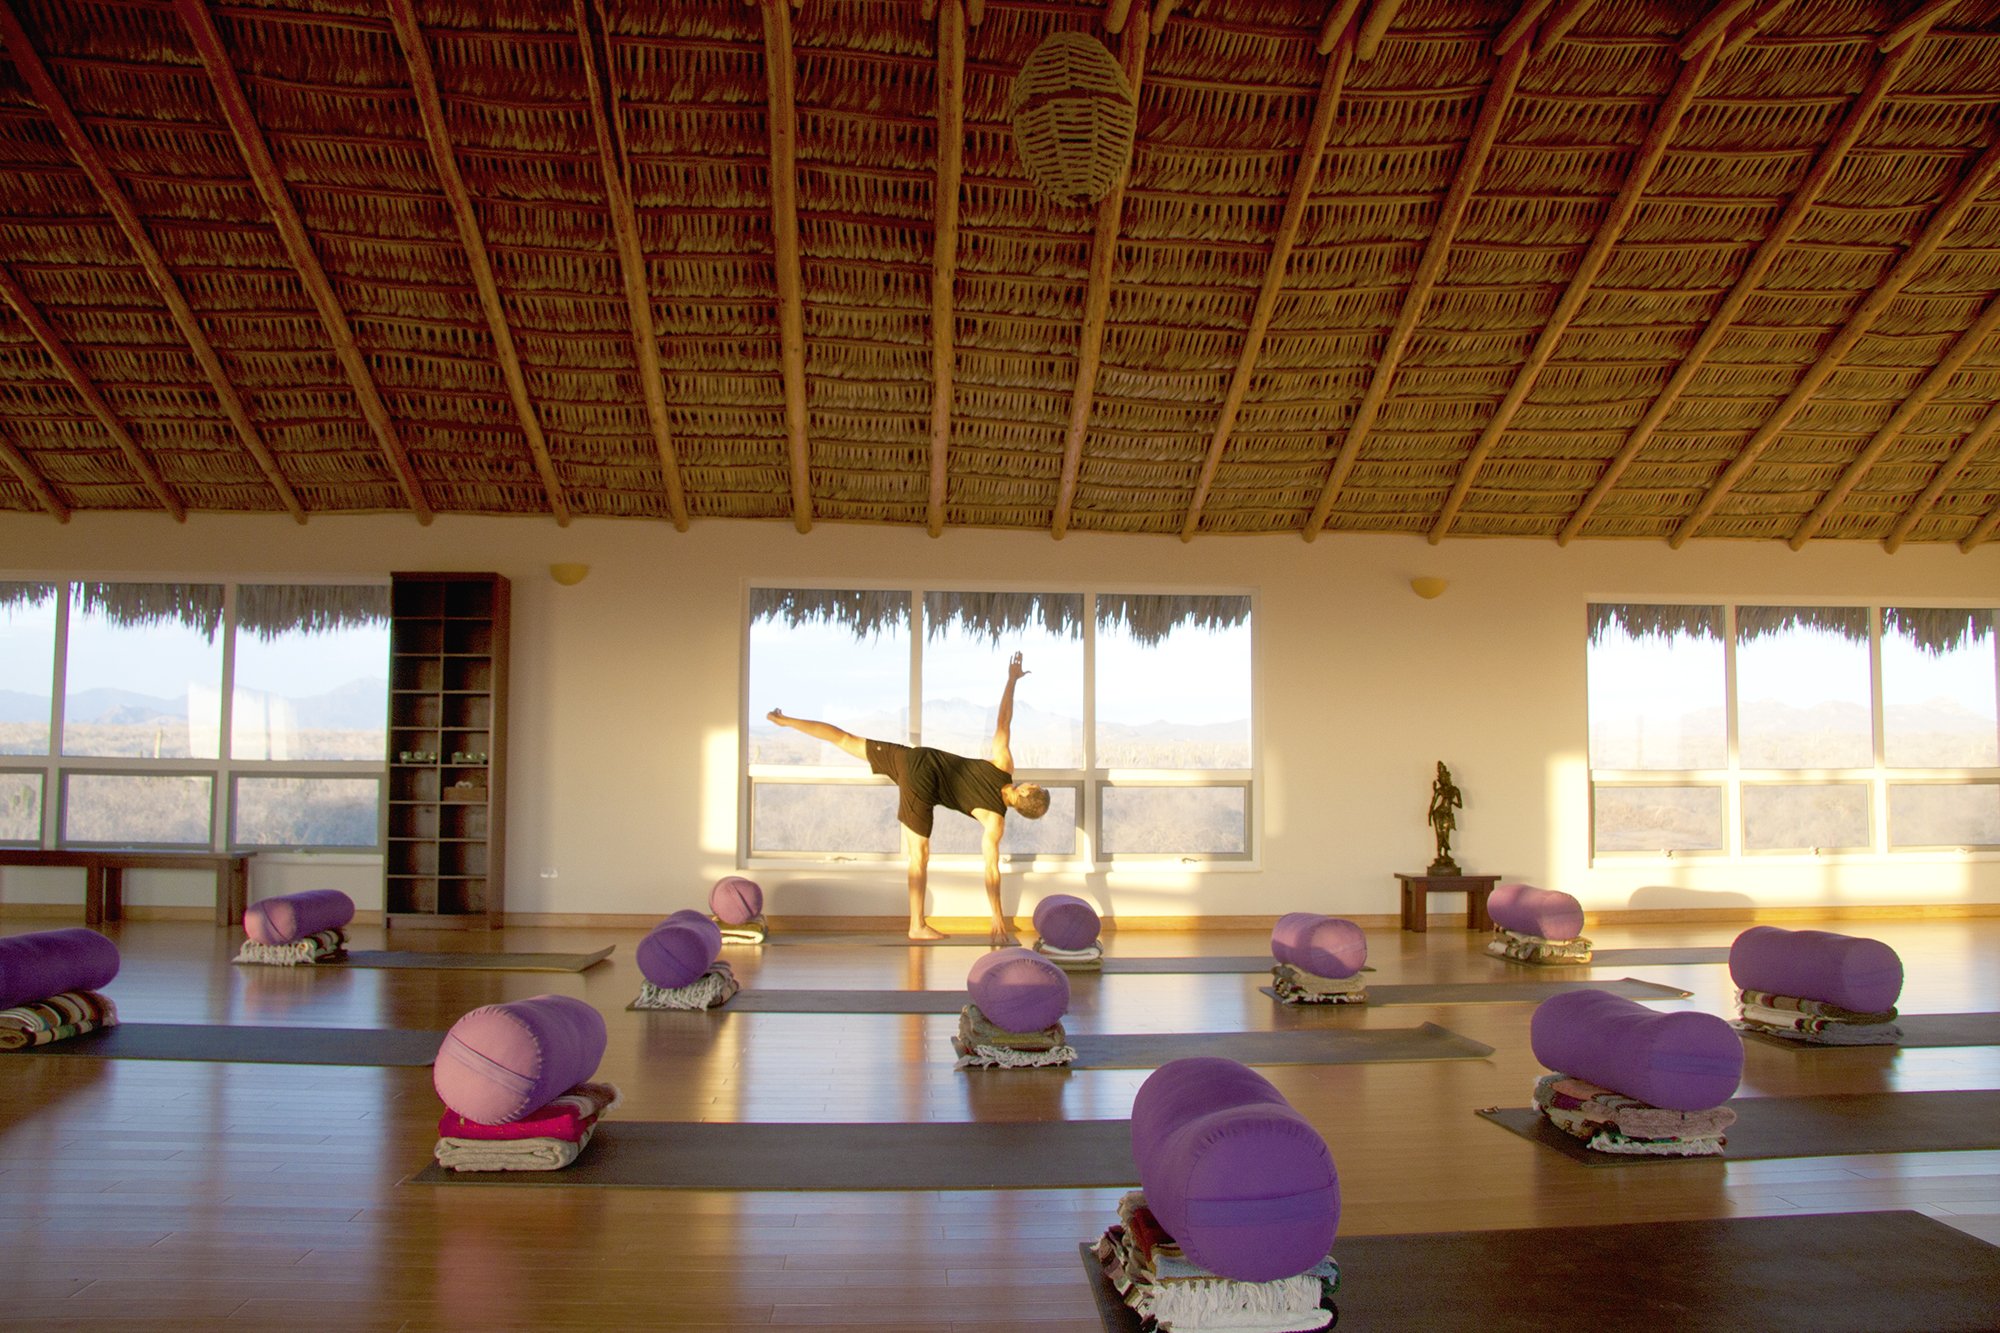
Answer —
358 705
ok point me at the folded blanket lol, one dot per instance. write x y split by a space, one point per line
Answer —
1089 959
567 1117
750 932
324 946
1002 1057
1295 985
712 988
58 1018
1612 1122
976 1029
1814 1030
1534 949
457 1154
1816 1008
1167 1292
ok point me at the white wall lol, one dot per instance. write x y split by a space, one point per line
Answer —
623 756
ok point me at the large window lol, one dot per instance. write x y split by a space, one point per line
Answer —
1136 715
199 715
1748 729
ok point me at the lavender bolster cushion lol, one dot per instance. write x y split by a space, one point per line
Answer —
1240 1179
1018 990
502 1061
1527 910
297 915
1065 921
1681 1061
48 962
1325 946
1846 970
736 900
679 949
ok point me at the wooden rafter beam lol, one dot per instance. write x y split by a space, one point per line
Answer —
1982 531
1853 125
86 155
1713 26
1374 28
1652 150
1521 26
1947 216
1746 31
1556 27
86 388
1097 294
944 245
270 185
38 486
1917 24
1975 440
1333 80
781 83
1485 132
437 137
1338 20
1115 15
1954 359
616 171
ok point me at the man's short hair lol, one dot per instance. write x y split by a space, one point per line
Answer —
1031 799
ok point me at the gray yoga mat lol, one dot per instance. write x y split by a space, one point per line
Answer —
1919 1030
885 938
1839 1125
954 1155
1306 1046
1498 992
376 1047
476 962
762 1001
1686 953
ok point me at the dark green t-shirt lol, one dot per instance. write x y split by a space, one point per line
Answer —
929 778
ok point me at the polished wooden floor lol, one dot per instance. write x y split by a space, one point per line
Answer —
143 1194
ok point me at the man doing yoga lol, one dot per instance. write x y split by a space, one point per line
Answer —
927 778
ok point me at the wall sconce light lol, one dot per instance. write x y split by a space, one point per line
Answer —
1427 587
569 574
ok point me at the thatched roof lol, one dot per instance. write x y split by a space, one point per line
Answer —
1933 629
264 610
1147 617
1543 269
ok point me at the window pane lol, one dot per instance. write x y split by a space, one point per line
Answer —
306 812
1655 683
21 808
1169 821
1800 818
965 669
27 666
840 657
1944 814
1802 688
1938 689
1173 682
143 681
1656 819
845 817
311 693
121 809
1054 834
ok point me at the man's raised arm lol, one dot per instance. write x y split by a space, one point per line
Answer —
1003 750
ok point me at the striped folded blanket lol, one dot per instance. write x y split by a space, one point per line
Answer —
1814 1022
1158 1283
1090 959
750 932
717 986
1612 1122
1295 985
58 1018
981 1044
1534 949
546 1140
324 946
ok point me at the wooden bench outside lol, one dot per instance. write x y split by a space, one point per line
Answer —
104 875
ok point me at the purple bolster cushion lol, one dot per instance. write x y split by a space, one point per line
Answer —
1240 1179
1680 1061
1847 970
679 949
736 900
502 1061
1018 990
1065 921
1527 910
297 915
48 962
1325 946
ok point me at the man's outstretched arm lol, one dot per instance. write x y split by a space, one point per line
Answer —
1003 750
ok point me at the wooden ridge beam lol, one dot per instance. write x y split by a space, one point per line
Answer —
944 246
1860 115
1646 162
86 155
1961 351
1333 80
1975 440
1521 26
1479 146
624 220
781 82
1097 293
1947 216
86 388
38 486
1374 28
437 137
270 186
1339 19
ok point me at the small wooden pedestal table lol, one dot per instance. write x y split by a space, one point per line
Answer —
1474 887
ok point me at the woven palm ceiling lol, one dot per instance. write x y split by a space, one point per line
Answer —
1520 268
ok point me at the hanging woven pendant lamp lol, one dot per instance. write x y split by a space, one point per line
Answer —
1074 118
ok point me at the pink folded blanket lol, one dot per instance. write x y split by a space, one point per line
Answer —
569 1117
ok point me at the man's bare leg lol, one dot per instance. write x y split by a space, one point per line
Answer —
918 850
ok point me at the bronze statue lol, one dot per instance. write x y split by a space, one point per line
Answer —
1445 799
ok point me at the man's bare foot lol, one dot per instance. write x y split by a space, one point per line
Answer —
1003 938
926 932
